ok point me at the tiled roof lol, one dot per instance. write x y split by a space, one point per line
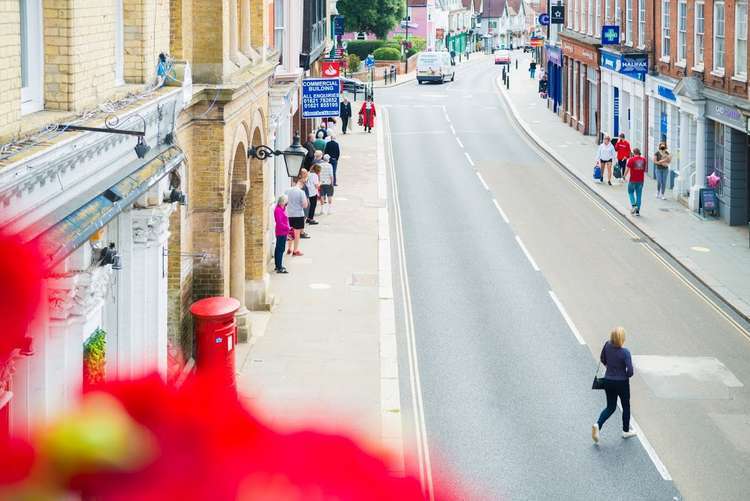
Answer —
493 8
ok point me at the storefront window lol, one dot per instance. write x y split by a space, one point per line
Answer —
700 26
719 36
719 131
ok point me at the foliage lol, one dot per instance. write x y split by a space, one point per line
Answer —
387 54
418 44
94 358
354 63
374 16
363 48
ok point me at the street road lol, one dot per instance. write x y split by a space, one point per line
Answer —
496 241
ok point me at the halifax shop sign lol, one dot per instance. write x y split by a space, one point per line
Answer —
632 65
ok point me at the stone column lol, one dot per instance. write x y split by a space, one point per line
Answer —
681 183
700 162
245 27
234 36
237 258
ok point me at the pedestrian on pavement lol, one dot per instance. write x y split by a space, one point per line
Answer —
320 141
326 185
322 131
282 233
310 147
635 171
330 124
604 157
367 114
532 68
296 205
313 184
662 159
623 153
619 365
333 150
346 113
543 87
453 57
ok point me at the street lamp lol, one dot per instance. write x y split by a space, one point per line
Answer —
294 155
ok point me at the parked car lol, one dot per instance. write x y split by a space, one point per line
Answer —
352 85
435 67
502 56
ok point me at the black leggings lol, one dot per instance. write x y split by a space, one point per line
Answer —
615 389
311 207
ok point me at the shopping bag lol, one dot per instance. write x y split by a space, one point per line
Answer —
617 172
597 173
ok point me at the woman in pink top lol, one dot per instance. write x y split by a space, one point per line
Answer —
282 231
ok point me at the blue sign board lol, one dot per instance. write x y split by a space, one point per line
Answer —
632 65
544 19
663 125
370 61
338 25
666 93
610 34
320 97
554 54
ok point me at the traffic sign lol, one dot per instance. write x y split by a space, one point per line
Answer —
610 34
557 14
369 61
544 19
320 97
330 69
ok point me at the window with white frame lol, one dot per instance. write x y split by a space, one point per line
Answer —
629 21
700 30
719 36
641 23
32 56
740 38
682 31
606 11
570 15
583 16
616 8
591 16
576 16
665 34
278 29
598 28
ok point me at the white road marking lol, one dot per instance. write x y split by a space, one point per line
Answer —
471 162
528 255
453 130
423 449
459 142
500 210
567 318
481 180
320 286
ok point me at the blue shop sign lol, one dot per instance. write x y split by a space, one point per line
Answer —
554 54
610 34
666 93
632 65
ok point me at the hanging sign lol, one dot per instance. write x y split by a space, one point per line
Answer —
330 69
557 14
610 34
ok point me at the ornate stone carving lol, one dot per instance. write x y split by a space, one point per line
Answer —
151 224
238 202
77 293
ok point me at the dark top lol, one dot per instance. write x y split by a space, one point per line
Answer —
346 110
618 362
332 148
310 155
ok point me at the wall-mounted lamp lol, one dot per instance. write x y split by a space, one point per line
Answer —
110 127
109 256
294 155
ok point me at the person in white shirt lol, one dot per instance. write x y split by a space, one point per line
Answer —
605 155
326 185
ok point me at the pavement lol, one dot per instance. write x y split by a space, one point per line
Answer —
322 357
511 276
717 254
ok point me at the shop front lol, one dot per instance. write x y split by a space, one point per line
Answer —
623 76
580 64
554 77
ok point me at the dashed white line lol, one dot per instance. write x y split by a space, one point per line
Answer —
500 210
459 142
526 251
453 130
471 162
567 318
481 180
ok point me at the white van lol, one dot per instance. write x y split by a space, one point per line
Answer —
435 67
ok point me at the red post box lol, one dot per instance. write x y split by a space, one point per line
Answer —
216 336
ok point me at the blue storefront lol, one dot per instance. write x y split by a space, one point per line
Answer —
554 76
623 77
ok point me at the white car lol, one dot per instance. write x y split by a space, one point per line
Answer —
502 56
435 67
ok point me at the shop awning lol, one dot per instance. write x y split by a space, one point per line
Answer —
77 227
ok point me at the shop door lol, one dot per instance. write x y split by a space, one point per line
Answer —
616 113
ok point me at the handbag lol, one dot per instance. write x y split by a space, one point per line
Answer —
599 382
618 172
360 121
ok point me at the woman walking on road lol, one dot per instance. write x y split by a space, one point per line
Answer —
662 159
619 365
367 114
282 233
296 205
604 157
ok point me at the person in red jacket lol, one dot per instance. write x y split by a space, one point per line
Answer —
623 153
367 114
635 172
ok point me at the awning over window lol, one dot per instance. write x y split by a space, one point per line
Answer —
72 231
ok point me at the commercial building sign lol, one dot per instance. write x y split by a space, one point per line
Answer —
320 97
579 53
726 114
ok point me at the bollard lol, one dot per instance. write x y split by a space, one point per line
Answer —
507 82
516 63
